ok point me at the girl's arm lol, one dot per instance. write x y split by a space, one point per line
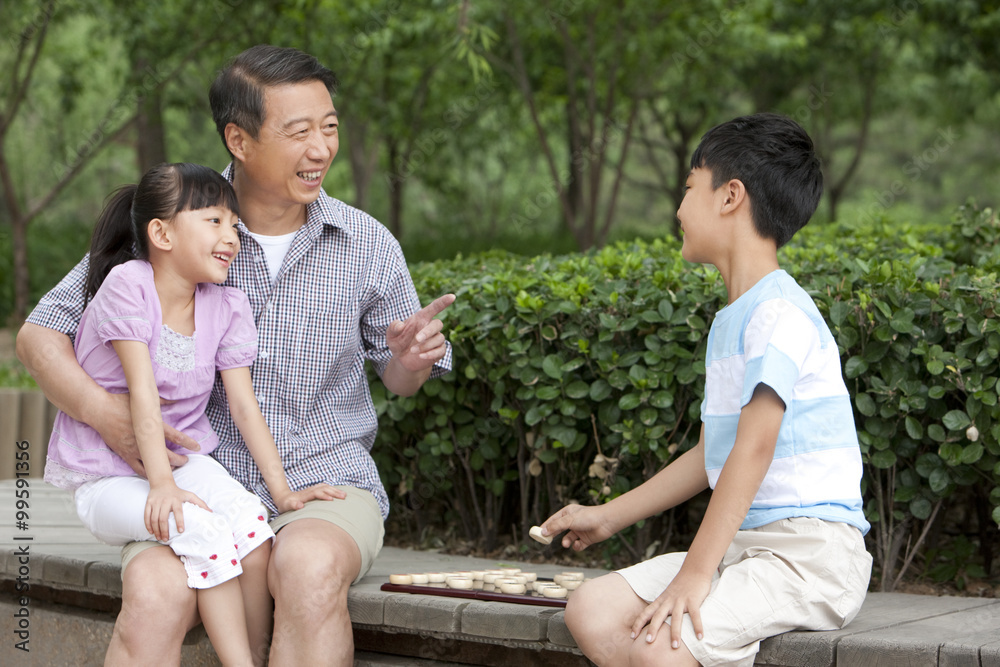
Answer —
246 413
147 422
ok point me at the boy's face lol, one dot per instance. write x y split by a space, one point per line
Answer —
699 217
296 145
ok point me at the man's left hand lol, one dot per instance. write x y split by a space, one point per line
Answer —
417 342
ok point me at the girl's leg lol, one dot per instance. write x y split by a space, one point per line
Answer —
257 603
221 609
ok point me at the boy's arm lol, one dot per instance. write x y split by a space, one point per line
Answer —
48 355
679 481
246 414
739 482
147 422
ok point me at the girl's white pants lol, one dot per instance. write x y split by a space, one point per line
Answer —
212 544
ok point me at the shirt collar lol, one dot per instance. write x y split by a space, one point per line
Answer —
325 210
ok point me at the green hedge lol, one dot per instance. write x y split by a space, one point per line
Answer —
577 377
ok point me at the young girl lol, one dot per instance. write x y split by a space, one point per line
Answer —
157 328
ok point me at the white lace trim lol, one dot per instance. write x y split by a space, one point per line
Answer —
64 478
175 351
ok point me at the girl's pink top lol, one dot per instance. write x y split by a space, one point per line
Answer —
126 308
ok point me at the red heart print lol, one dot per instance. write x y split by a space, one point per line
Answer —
260 517
204 575
234 561
252 534
213 556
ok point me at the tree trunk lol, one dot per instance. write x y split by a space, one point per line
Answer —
396 183
151 146
363 160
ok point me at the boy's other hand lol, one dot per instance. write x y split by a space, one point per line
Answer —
586 526
115 428
685 594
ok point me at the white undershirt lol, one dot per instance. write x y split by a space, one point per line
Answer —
275 248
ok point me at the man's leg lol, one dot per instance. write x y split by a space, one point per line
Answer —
158 609
312 566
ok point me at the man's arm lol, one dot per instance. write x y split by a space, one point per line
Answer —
416 345
48 356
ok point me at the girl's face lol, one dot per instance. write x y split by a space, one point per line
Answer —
204 243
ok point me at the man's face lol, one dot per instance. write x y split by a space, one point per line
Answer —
296 144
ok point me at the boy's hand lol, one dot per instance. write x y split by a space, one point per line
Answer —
685 594
586 526
296 500
163 500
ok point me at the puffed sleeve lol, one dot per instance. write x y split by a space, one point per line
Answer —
238 346
121 306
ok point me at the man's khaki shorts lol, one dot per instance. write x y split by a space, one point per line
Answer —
358 514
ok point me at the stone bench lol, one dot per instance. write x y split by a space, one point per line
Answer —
75 588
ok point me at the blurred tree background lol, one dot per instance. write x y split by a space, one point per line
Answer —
475 124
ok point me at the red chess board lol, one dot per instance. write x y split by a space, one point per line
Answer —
530 597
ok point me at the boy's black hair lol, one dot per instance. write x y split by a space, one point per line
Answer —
237 94
776 162
164 191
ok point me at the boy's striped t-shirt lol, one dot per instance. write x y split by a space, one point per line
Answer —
774 334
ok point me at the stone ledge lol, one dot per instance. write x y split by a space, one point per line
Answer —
892 629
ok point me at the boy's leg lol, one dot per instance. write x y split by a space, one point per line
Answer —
600 615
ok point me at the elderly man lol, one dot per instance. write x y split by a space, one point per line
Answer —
329 289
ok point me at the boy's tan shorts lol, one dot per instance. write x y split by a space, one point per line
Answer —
358 514
793 574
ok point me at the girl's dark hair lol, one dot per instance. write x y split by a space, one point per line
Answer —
164 191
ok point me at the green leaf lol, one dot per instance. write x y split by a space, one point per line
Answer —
884 459
599 391
577 389
971 454
548 393
956 420
855 367
865 404
661 399
552 366
936 433
914 428
939 480
629 401
920 508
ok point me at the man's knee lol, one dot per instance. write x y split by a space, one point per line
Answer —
155 581
319 564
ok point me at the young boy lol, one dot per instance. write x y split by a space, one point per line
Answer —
781 545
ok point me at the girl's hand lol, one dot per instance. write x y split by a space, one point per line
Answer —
164 500
586 526
296 500
685 594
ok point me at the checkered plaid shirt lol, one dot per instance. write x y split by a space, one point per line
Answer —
342 282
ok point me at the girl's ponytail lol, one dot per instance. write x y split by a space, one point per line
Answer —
114 239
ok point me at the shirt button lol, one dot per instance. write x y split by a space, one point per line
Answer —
264 354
